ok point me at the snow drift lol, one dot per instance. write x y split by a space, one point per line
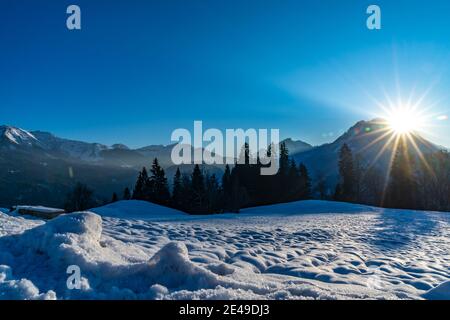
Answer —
44 253
273 254
136 209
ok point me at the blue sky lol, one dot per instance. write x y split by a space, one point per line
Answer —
140 69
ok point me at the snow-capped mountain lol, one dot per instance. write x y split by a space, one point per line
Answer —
16 136
46 143
39 168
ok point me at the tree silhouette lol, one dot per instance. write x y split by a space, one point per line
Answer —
80 198
126 194
401 192
347 175
140 189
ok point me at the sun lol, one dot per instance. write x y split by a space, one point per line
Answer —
404 120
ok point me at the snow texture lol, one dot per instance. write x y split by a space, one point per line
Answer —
302 250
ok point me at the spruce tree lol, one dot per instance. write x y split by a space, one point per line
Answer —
177 192
294 187
159 190
305 182
81 198
213 194
226 180
198 190
284 160
114 198
347 174
401 192
126 194
140 189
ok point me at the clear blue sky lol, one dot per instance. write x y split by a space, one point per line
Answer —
139 69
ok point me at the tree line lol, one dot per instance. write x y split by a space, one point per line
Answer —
239 187
413 182
420 182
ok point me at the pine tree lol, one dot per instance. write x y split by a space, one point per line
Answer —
159 190
294 189
321 187
213 194
126 194
114 198
347 174
236 196
226 181
198 190
140 189
305 182
401 192
338 193
81 198
177 192
284 159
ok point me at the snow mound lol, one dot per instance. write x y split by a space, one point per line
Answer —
23 289
42 255
310 206
171 267
386 254
441 292
135 209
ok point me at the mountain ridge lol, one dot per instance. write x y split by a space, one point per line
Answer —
37 167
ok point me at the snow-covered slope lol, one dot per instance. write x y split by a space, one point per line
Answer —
372 254
310 207
17 136
135 209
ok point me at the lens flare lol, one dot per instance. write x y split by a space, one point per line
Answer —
404 120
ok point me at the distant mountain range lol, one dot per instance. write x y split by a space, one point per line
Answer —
39 168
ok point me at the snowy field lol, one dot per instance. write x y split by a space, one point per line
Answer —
302 250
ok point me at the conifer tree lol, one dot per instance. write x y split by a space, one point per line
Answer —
114 198
347 174
81 198
159 190
226 180
213 194
305 182
401 192
139 192
126 194
198 189
177 192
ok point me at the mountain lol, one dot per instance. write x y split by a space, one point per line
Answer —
38 168
370 141
296 146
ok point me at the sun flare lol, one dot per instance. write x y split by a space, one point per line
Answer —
404 120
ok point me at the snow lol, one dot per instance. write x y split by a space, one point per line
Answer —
441 292
18 136
335 251
38 209
310 206
136 209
